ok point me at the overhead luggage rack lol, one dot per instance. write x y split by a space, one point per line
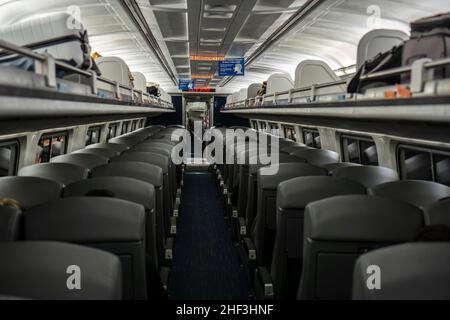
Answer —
98 94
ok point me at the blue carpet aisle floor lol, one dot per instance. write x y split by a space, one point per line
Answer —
206 263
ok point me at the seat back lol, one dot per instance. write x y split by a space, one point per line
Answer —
150 174
331 167
438 213
368 176
38 270
29 191
109 224
10 224
279 82
165 164
101 152
250 193
63 173
318 157
339 229
411 271
128 189
419 193
292 198
87 161
264 225
111 146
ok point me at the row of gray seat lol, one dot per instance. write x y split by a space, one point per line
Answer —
117 197
302 229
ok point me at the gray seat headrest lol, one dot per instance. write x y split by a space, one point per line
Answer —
88 161
129 189
38 270
362 218
412 271
63 173
368 176
298 192
417 192
111 146
288 171
317 157
438 213
84 220
277 159
102 152
331 167
10 224
146 157
137 170
29 191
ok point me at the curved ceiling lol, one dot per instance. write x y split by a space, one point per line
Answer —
230 28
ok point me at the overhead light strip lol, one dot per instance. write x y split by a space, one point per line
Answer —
296 18
135 13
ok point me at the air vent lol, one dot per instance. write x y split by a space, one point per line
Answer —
220 7
210 40
218 15
214 29
209 44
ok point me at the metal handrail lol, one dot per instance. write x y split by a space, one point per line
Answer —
49 71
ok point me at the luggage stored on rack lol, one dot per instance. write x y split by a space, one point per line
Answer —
430 38
59 35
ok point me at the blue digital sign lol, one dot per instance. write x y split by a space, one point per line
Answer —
186 85
232 67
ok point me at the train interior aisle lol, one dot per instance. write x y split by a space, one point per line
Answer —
224 150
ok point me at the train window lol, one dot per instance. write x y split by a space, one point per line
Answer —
134 125
125 127
9 155
93 135
289 133
263 126
112 130
311 138
142 123
417 163
360 150
50 146
255 124
274 129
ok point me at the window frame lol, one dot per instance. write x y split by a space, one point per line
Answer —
401 148
316 132
50 136
358 139
90 131
14 157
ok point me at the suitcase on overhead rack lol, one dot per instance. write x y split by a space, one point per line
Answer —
59 35
430 38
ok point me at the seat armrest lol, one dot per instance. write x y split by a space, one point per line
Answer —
168 249
242 227
164 274
173 226
250 249
263 284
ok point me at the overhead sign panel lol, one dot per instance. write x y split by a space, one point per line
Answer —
186 85
232 67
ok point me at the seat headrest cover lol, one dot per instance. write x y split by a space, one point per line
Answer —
102 152
331 167
288 171
146 157
362 218
137 170
86 220
277 158
317 157
419 193
29 191
412 271
38 270
64 173
112 146
438 213
88 161
10 224
298 192
128 189
369 176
